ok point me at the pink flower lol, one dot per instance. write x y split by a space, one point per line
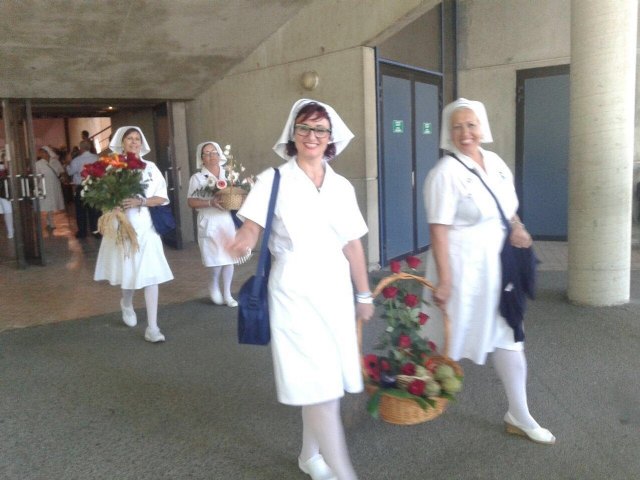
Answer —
404 341
390 292
416 387
432 345
395 266
411 300
221 184
408 369
422 318
413 262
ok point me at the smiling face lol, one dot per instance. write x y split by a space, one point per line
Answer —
310 146
465 131
132 142
210 157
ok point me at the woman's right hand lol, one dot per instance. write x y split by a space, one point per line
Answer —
441 295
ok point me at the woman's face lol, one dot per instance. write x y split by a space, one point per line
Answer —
210 157
132 143
307 143
42 153
465 131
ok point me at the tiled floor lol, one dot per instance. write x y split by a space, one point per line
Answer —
64 289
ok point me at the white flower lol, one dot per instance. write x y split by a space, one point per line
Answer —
211 182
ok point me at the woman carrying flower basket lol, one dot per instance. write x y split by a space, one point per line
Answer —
141 264
464 263
215 224
318 261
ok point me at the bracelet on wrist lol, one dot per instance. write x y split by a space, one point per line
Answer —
363 294
517 222
368 299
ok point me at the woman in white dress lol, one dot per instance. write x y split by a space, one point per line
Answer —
215 224
5 205
464 262
53 201
147 267
318 261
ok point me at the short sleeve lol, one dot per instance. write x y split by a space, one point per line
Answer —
194 184
256 205
351 225
440 196
156 186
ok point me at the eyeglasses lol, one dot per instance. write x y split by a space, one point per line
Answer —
305 130
210 154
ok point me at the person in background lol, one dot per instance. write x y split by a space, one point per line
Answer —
147 267
85 215
85 136
53 201
464 264
318 261
5 204
215 224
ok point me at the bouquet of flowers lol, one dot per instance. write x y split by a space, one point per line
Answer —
106 183
232 191
410 368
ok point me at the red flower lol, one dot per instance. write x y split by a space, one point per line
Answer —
422 318
133 162
95 169
431 365
408 369
417 387
413 262
385 366
395 266
390 292
404 341
411 300
371 367
432 345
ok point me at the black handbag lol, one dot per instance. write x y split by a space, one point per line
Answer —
162 218
518 273
253 305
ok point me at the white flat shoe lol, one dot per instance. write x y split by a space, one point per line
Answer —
231 302
317 468
128 315
216 297
153 336
538 435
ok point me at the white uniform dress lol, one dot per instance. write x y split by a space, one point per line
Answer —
147 266
311 305
454 196
214 225
54 199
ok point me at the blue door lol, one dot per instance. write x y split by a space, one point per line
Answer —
409 108
542 155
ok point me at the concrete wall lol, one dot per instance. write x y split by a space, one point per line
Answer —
249 107
495 39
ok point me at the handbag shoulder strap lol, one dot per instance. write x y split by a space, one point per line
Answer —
502 215
264 248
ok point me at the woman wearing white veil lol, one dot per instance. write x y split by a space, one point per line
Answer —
215 224
147 267
315 243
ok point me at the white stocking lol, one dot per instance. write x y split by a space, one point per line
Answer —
322 430
8 221
511 367
151 301
127 297
215 278
227 276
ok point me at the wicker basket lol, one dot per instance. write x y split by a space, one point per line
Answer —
405 411
231 198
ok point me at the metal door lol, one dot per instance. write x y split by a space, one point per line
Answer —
23 187
542 151
409 107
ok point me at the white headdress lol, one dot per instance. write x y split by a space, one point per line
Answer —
116 142
52 154
340 133
478 108
199 148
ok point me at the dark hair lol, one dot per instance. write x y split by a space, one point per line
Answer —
311 110
130 130
202 149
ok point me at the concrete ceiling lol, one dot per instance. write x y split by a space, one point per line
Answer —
129 49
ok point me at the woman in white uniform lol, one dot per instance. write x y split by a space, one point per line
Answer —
215 224
53 200
147 267
318 261
464 262
5 205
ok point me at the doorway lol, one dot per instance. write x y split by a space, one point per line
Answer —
409 105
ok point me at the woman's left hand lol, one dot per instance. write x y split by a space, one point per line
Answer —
132 202
364 311
520 238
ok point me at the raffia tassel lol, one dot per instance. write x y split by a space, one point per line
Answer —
115 224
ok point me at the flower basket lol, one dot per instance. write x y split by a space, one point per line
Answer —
231 198
395 405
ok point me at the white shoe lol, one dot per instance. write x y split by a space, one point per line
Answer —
128 315
153 336
231 302
317 468
216 297
538 435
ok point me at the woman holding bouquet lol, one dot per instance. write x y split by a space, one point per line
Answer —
464 262
318 261
147 266
215 224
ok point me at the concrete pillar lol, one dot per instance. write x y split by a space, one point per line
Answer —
603 65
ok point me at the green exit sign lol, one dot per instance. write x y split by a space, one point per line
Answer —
397 126
426 128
